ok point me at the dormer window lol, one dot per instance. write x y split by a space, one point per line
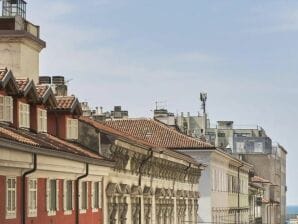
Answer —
42 120
6 108
24 115
72 129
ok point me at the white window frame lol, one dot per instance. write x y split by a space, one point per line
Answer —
99 195
32 189
42 120
83 210
65 197
11 212
24 115
7 108
72 126
48 197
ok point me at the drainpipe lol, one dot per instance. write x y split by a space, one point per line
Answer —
77 193
140 178
24 187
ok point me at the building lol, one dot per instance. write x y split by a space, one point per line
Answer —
150 183
46 177
223 187
222 177
249 144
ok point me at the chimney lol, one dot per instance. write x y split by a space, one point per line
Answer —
59 86
45 80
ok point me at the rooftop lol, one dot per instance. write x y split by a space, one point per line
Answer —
156 133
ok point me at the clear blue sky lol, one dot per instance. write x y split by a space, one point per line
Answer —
133 53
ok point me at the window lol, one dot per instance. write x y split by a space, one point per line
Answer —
24 118
68 196
42 120
52 196
32 197
96 195
84 195
72 129
6 106
11 197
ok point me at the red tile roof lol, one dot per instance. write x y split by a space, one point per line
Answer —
102 127
157 134
45 141
65 102
22 83
3 72
41 90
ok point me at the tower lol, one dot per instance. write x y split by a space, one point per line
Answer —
20 42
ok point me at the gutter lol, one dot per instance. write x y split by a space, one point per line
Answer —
77 193
24 210
140 178
23 147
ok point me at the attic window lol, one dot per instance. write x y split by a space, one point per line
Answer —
42 120
72 129
24 115
6 108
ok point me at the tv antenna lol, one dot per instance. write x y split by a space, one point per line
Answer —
203 98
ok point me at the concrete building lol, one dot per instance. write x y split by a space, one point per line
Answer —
223 187
249 144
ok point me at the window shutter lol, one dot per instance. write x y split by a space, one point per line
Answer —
57 195
45 120
75 128
92 194
2 108
99 194
39 120
48 194
80 194
72 195
64 194
11 109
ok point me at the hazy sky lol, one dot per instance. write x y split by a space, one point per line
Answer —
133 53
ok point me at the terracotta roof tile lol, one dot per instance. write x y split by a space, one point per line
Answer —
41 89
103 127
22 83
3 72
65 102
157 134
45 141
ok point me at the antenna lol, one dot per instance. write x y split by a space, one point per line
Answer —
159 105
203 98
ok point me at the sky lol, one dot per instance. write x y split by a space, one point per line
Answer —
134 53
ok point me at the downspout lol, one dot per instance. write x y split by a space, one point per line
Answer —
140 178
77 193
24 187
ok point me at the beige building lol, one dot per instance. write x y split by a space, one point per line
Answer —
150 183
223 187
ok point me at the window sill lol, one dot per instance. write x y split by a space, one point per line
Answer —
68 212
94 209
11 216
51 213
82 211
32 214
